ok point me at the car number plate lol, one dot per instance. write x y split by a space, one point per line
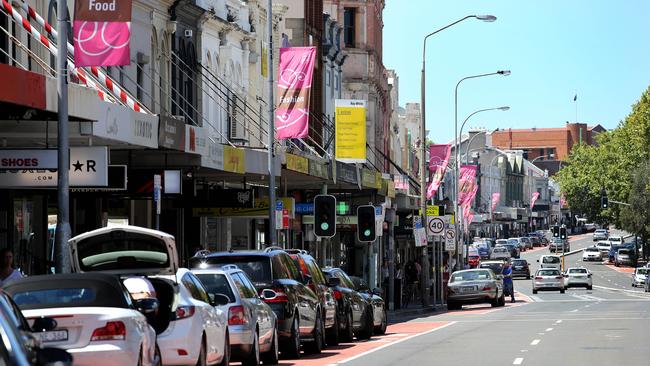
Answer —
468 289
54 336
519 267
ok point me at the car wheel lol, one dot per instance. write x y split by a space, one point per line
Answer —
589 287
292 348
333 333
202 361
562 291
316 346
253 357
534 291
366 331
348 332
381 329
528 276
452 305
271 356
225 360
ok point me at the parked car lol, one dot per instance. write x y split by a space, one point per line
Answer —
616 239
578 277
592 254
316 281
474 286
380 316
550 261
500 242
639 276
500 252
600 234
296 307
513 249
495 265
483 248
548 279
625 256
520 268
21 343
559 245
252 325
537 242
191 331
96 318
518 243
528 244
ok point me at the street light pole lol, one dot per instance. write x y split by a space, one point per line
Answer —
469 144
457 154
423 129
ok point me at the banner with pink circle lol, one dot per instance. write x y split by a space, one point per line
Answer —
101 43
295 74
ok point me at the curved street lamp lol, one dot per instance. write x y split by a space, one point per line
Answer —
503 108
423 181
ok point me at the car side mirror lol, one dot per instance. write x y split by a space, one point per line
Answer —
268 294
53 356
44 324
538 261
147 306
219 299
333 282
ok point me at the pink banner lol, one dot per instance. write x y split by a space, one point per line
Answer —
495 200
294 90
101 43
533 199
563 202
438 161
466 184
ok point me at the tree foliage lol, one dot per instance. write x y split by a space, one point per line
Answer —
612 164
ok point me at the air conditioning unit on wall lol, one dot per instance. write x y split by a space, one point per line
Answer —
188 33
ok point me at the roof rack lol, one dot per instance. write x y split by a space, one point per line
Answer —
266 250
202 253
229 267
297 251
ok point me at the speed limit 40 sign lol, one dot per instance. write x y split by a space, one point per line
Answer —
436 225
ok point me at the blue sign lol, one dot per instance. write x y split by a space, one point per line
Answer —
378 211
305 208
278 205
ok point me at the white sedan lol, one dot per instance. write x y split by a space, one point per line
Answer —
96 321
592 254
578 277
548 279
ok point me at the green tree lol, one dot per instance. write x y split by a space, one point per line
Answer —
636 217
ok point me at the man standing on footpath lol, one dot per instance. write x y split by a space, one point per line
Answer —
508 286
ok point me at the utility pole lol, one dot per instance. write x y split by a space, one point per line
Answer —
63 232
269 24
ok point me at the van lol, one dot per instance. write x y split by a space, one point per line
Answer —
550 261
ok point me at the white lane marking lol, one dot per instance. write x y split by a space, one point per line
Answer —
535 342
540 333
558 321
518 361
536 298
396 342
574 311
587 306
549 329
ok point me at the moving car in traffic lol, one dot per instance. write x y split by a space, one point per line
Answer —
592 254
548 279
559 245
550 261
474 286
578 277
639 276
252 327
500 252
600 234
520 268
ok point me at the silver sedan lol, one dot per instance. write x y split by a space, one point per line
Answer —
474 286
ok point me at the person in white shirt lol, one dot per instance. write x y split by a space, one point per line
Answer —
7 271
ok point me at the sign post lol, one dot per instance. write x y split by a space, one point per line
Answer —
450 235
157 187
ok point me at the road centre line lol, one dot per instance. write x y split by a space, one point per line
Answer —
518 361
549 329
394 343
535 342
558 321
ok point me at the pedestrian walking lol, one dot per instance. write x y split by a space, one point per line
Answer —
7 271
508 286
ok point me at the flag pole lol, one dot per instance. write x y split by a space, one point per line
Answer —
271 135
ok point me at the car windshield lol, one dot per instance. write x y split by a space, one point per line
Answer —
624 251
496 267
470 276
60 298
502 241
591 249
600 231
519 262
513 241
577 270
257 268
550 260
548 272
642 271
216 283
603 244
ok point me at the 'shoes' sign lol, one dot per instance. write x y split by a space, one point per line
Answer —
102 32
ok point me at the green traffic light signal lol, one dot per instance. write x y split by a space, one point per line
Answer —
324 226
366 233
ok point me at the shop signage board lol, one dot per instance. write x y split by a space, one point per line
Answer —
88 168
28 159
214 157
368 179
317 169
340 220
118 123
350 130
380 213
226 198
297 163
285 218
234 160
345 172
260 209
195 140
171 133
305 208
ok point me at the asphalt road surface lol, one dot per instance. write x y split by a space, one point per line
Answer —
607 325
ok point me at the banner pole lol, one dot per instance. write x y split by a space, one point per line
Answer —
271 134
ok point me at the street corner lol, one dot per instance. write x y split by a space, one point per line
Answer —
346 352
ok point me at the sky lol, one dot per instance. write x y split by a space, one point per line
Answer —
597 49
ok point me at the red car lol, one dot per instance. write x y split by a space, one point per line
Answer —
473 261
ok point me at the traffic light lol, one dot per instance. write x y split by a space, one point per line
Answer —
604 202
325 215
563 232
366 223
556 231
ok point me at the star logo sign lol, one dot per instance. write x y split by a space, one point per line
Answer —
77 166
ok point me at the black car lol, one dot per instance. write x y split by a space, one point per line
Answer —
314 278
520 268
495 265
296 305
380 316
354 309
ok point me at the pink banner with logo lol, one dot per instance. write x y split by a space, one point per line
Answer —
533 199
294 89
495 199
466 184
563 202
438 161
101 43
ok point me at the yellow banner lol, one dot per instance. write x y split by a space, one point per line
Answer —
391 189
261 209
297 163
234 160
350 129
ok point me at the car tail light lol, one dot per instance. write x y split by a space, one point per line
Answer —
487 288
112 331
183 312
236 316
539 278
280 296
338 294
